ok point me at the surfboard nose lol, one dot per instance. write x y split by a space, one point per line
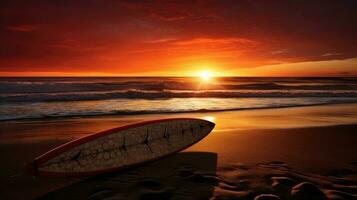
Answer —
209 124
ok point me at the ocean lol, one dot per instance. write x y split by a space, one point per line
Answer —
37 98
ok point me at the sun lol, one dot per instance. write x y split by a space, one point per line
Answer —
205 75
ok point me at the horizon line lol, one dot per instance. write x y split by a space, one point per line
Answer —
170 76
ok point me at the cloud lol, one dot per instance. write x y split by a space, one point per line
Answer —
21 28
282 51
161 40
331 54
217 41
345 67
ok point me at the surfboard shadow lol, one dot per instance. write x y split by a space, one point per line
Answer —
186 175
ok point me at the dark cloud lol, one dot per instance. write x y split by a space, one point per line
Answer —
99 35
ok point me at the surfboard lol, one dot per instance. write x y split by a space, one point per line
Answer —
121 147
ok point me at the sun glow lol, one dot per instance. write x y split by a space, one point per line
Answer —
209 118
205 75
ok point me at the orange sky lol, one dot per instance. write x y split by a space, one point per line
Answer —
178 38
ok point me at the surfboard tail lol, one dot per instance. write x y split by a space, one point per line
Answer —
32 168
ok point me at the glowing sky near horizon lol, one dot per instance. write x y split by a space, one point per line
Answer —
178 38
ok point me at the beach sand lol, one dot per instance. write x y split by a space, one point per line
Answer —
289 153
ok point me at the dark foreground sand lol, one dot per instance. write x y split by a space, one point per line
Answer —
292 153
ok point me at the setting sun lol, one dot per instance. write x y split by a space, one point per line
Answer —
205 75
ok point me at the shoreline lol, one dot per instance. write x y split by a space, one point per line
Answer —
294 117
144 113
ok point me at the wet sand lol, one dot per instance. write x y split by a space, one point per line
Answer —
288 152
